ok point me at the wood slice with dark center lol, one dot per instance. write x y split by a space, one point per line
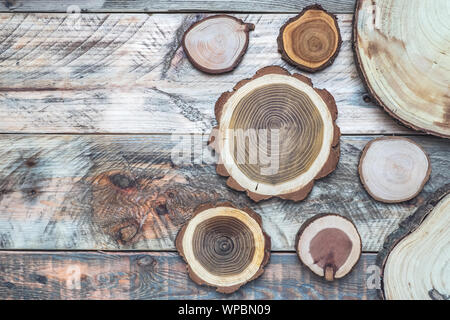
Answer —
276 135
394 169
415 260
224 246
329 245
217 44
403 54
310 40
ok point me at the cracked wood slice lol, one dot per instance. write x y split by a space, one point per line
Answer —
224 247
217 44
276 135
310 40
415 259
402 50
394 169
329 245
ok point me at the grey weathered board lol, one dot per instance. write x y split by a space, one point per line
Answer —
126 73
114 275
338 6
132 192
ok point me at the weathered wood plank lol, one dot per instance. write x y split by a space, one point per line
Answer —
133 192
113 275
337 6
127 73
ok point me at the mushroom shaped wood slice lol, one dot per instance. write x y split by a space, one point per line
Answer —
402 49
217 44
310 40
329 245
394 169
276 135
415 260
224 247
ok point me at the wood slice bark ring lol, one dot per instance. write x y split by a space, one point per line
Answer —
394 169
310 40
415 259
403 56
329 245
217 43
276 135
224 247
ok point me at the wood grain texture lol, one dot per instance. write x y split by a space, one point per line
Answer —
128 192
113 275
127 73
338 6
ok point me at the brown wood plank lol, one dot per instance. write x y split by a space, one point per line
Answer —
113 275
127 73
338 6
133 192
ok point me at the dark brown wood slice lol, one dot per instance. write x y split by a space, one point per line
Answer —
394 169
404 62
276 135
224 247
414 261
329 245
217 43
310 40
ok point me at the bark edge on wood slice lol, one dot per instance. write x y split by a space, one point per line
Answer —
329 245
327 46
408 161
383 54
238 28
223 227
395 248
305 114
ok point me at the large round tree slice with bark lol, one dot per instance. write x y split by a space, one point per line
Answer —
310 40
394 169
217 44
329 245
403 53
415 260
224 247
276 135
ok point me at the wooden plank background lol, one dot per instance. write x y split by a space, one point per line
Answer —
127 73
58 192
93 100
115 275
292 6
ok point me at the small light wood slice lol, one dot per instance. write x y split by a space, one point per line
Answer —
403 54
310 40
276 135
329 245
394 169
415 259
224 247
217 44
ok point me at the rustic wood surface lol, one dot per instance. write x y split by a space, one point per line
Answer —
131 192
127 73
294 6
86 105
112 275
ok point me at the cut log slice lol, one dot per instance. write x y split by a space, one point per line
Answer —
224 247
310 40
394 169
217 44
415 259
329 245
276 135
403 54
